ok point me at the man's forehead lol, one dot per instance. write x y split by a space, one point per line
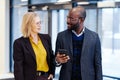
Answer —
73 13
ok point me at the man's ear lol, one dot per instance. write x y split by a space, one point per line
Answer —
81 20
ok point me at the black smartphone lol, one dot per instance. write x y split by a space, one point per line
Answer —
63 51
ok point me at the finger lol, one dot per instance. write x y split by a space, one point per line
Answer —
68 57
59 55
50 76
64 60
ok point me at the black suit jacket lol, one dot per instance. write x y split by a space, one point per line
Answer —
24 58
90 61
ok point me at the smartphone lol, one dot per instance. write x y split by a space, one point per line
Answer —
63 51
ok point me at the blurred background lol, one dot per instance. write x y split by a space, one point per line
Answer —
103 17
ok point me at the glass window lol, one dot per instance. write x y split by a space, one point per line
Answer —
44 21
110 41
16 19
42 1
18 2
91 19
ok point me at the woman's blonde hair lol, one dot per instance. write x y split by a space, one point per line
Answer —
27 22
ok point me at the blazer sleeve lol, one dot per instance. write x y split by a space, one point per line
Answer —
51 55
18 60
58 43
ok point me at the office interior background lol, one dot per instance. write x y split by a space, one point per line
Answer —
103 17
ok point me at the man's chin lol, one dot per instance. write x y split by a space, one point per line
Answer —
69 28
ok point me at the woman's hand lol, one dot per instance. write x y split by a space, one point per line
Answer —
50 77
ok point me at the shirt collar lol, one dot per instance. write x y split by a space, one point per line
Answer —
80 33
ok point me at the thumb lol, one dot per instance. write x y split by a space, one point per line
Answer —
50 76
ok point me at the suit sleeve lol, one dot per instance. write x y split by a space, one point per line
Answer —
58 43
58 46
18 61
98 60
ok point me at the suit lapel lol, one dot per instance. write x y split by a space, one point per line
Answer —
69 40
86 41
29 47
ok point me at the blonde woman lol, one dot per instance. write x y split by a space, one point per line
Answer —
32 53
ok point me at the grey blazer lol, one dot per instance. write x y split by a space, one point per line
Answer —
91 67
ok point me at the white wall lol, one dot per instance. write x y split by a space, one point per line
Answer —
4 36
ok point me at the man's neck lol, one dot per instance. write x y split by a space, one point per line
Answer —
79 30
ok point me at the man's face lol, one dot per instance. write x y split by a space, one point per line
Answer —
73 21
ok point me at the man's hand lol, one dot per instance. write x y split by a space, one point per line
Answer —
62 58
